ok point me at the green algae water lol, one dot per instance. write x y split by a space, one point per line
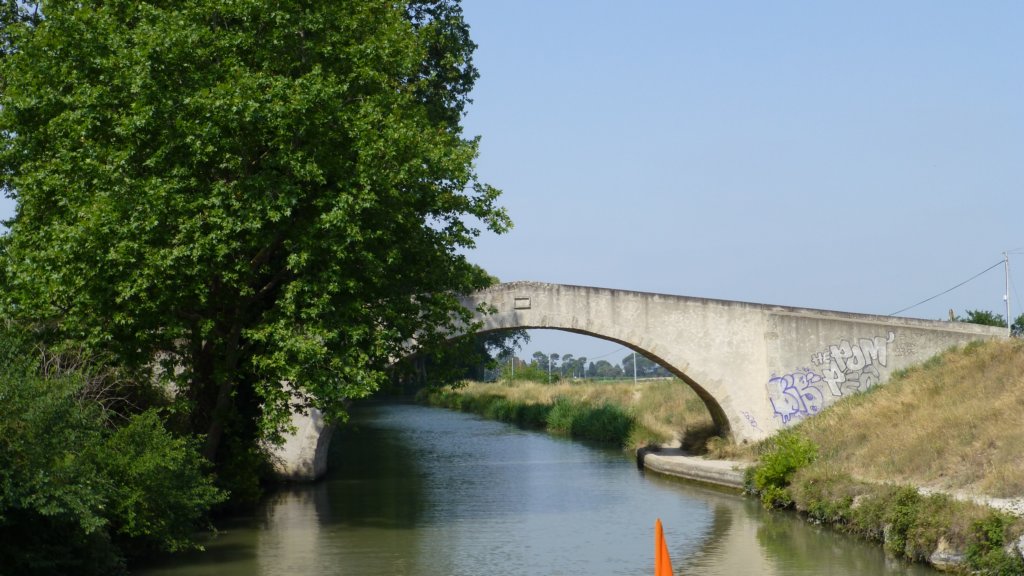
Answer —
423 491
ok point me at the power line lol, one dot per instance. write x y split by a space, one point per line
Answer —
1000 263
608 354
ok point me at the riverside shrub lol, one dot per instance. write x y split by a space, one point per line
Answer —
81 488
784 454
604 423
826 494
987 554
564 413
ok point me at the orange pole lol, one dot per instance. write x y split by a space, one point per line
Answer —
662 561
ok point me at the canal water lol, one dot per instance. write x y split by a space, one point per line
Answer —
424 491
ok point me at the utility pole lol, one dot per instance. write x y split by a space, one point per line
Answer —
634 368
1006 294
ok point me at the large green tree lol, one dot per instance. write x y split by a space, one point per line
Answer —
245 192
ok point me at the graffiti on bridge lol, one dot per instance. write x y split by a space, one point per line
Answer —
751 420
845 368
796 395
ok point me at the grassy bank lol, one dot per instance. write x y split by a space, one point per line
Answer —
631 415
953 423
950 426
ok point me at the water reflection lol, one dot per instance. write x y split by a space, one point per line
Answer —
429 492
743 538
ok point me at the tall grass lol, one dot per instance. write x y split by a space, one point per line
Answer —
633 415
952 423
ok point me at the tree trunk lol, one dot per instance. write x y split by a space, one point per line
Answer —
222 406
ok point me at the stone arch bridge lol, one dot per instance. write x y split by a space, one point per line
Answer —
757 367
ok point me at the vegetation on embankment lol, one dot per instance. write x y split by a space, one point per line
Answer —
632 415
950 425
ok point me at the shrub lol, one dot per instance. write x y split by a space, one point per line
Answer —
80 487
902 516
784 454
563 414
826 494
158 489
499 408
987 554
604 423
527 373
911 524
868 514
532 415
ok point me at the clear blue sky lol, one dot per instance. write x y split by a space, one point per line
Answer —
847 156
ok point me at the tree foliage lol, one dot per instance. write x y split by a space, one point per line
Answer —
77 493
248 192
644 367
989 318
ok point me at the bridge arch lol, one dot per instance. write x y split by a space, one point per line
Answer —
717 414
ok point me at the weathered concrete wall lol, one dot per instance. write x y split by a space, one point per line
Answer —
757 367
303 456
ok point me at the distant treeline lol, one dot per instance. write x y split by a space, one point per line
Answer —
553 366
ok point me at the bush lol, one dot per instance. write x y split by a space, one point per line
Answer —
500 409
563 415
532 415
604 423
33 543
158 488
527 373
826 494
783 455
77 490
987 554
902 517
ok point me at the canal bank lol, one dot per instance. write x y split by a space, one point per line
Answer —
730 474
949 554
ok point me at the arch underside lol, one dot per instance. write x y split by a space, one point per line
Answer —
718 416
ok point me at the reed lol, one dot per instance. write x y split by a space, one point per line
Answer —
663 411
